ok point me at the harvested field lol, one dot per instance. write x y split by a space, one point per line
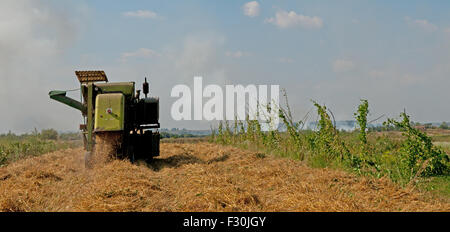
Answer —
197 177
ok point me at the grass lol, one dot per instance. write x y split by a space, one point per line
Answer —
15 147
444 145
400 152
439 185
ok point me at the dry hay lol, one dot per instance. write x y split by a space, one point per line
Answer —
105 149
197 177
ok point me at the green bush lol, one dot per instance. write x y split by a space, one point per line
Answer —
361 119
326 144
444 126
50 134
418 153
14 147
400 158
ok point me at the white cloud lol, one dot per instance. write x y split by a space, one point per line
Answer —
284 19
422 23
198 56
342 65
447 31
251 9
141 52
396 77
426 25
237 54
377 74
144 14
285 60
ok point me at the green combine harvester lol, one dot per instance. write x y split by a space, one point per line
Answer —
115 110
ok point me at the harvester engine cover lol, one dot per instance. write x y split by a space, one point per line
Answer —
109 112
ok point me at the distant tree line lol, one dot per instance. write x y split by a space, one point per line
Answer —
46 134
172 135
443 125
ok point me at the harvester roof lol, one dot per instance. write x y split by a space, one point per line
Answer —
91 76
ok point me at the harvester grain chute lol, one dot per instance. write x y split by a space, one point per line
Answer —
115 115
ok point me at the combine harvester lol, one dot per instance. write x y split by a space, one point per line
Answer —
114 114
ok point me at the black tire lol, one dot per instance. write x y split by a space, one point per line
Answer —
130 154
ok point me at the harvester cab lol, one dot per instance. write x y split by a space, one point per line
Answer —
115 115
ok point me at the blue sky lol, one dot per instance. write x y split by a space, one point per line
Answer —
396 54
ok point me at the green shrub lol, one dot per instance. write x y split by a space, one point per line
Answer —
444 126
418 153
50 134
14 147
361 119
401 158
